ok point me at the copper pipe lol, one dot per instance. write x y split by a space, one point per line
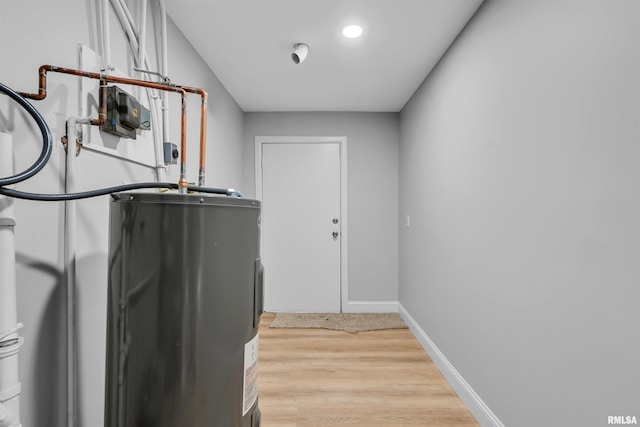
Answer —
42 90
203 129
102 114
182 183
203 138
42 85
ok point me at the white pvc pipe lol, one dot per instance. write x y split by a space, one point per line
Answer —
163 36
70 267
127 23
128 16
6 418
9 381
143 33
159 138
165 71
137 40
106 40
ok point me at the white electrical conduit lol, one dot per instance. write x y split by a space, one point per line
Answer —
106 41
70 267
163 74
164 69
143 61
7 417
128 16
10 341
142 40
127 23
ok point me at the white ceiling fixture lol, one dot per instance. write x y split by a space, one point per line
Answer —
352 31
378 71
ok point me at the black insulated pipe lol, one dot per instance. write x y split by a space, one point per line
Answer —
47 140
109 190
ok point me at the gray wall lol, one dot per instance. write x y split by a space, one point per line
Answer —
39 233
372 179
517 165
519 168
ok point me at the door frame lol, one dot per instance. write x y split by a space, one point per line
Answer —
342 143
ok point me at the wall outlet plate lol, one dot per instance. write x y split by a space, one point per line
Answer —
171 153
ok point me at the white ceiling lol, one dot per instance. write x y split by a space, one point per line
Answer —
248 45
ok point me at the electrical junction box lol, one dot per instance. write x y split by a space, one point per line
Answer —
125 115
171 153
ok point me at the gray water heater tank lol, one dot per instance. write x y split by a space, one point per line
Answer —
184 302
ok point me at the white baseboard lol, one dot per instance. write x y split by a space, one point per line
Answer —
370 307
475 404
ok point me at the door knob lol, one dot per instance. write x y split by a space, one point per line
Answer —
335 234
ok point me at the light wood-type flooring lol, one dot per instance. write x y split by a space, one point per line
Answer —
317 377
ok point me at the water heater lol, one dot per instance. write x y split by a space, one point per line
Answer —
184 302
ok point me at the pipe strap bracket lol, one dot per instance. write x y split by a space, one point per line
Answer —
10 332
7 222
10 347
10 392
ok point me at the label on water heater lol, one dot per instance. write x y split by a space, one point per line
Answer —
250 387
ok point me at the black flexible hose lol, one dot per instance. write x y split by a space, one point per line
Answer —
104 191
47 148
47 140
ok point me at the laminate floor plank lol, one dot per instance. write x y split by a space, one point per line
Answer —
318 377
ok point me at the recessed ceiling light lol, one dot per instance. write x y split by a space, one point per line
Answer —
352 31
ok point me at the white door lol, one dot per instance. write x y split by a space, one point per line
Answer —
301 226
